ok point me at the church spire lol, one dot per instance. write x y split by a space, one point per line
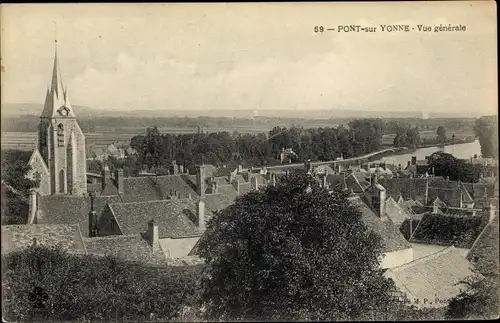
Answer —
57 85
57 97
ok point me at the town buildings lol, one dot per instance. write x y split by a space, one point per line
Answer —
159 219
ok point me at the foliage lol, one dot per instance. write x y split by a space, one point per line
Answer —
93 288
446 165
408 137
445 230
441 134
14 165
157 150
480 300
292 251
486 129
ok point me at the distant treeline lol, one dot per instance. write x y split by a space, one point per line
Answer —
157 151
390 126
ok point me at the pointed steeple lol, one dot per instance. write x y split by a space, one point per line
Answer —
56 84
57 96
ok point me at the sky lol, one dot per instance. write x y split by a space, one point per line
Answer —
253 56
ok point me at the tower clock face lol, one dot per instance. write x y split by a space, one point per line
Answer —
64 111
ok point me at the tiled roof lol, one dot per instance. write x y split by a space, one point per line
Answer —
175 218
485 250
68 236
415 188
110 188
226 196
436 276
396 212
67 209
149 188
392 239
125 247
225 171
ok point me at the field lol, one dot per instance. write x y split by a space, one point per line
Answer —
121 136
388 140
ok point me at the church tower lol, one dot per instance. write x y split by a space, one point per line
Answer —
61 142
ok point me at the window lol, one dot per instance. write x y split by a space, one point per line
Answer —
61 181
60 135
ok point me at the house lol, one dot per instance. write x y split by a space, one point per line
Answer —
433 280
287 155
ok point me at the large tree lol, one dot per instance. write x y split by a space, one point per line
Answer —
292 251
14 165
441 134
447 165
486 129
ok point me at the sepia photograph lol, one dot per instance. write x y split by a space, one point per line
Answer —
213 162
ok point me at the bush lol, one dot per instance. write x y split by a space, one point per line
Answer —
445 230
82 287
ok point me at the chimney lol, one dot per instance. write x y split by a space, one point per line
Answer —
254 183
435 208
413 160
236 185
175 168
188 196
181 169
119 180
200 181
492 212
105 175
178 194
231 177
33 206
378 201
263 171
308 166
273 179
324 184
92 218
152 235
240 168
200 212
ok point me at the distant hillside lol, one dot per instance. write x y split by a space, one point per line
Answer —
22 109
35 109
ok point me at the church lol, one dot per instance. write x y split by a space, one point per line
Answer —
58 160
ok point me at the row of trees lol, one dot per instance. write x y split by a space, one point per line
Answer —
315 259
156 150
91 123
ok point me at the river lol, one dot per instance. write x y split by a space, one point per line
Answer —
462 151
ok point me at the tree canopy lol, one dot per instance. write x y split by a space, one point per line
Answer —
441 134
14 165
447 165
486 129
292 251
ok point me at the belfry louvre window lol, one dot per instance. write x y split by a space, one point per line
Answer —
60 135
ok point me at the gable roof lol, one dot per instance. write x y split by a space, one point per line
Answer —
175 218
68 209
16 237
149 188
126 247
436 276
36 156
485 250
397 213
392 238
